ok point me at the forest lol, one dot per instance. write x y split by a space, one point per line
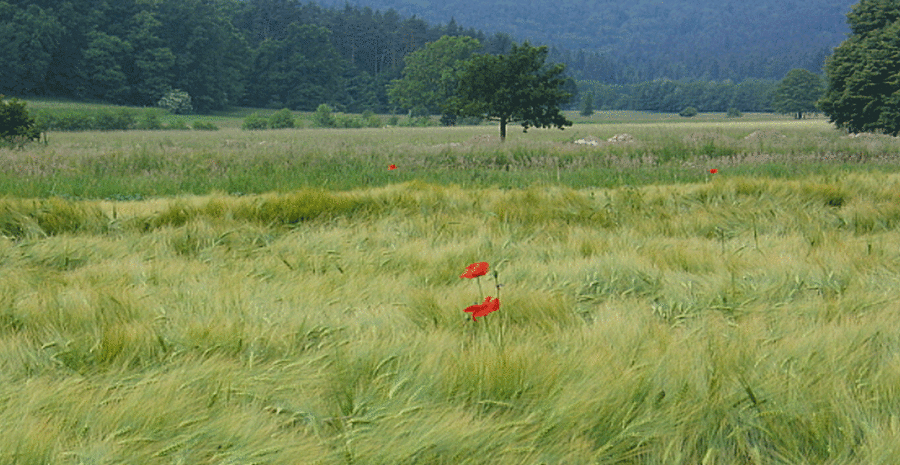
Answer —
651 39
288 54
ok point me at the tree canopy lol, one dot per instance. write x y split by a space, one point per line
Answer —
516 87
429 78
864 73
797 93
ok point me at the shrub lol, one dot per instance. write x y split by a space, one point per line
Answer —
281 119
348 121
419 111
16 125
255 121
176 101
734 113
66 121
371 119
688 112
178 124
393 120
205 126
108 120
323 118
150 120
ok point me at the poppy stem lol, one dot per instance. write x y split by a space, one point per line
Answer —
497 284
480 292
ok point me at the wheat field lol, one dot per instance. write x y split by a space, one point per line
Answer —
730 319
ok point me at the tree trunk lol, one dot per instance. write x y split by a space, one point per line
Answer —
502 129
799 115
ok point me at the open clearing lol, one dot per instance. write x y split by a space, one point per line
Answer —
650 312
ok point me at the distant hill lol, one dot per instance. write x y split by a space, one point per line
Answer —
706 39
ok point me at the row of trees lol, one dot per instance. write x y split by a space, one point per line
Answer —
797 93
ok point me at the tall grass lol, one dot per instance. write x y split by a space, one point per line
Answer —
735 320
141 164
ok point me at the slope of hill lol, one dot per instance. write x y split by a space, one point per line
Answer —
659 38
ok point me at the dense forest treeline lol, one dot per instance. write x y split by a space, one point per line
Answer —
222 52
655 39
269 53
666 95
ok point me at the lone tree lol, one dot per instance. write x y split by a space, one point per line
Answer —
516 87
587 104
864 72
797 93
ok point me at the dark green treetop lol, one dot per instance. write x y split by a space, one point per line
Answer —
429 77
864 72
797 93
516 87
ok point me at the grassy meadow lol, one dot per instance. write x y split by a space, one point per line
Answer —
281 297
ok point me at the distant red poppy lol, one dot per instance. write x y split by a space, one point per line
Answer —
713 171
392 167
489 305
475 270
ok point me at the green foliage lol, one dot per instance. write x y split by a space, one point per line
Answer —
254 122
688 112
864 72
204 126
150 120
587 104
371 119
323 117
17 126
429 77
518 87
114 120
30 37
103 119
178 125
281 119
797 93
177 102
297 69
103 73
670 96
734 113
348 121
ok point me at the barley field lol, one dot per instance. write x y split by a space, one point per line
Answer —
281 297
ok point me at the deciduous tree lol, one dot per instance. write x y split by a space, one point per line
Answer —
864 71
517 87
797 93
429 77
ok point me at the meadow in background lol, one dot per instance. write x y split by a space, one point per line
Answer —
652 312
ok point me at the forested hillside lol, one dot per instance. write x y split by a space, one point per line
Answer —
675 39
286 53
275 53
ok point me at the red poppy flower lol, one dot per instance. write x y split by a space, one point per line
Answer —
392 167
475 270
489 305
713 171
